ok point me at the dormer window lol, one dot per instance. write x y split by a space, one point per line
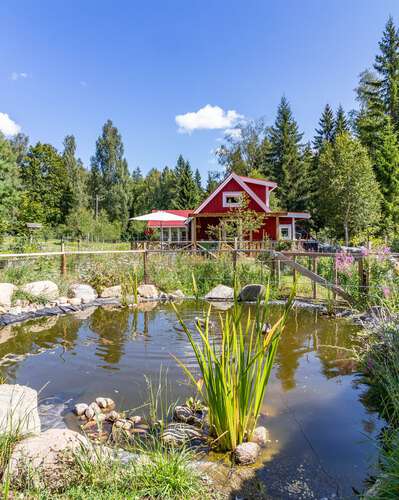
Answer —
232 199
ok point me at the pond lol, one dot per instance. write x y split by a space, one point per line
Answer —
321 433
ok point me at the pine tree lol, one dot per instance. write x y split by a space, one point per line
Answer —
109 178
341 125
186 196
371 119
325 132
387 66
284 155
9 186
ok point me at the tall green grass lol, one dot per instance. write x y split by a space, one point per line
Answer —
235 368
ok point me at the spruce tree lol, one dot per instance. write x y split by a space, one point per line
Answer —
325 132
284 154
186 196
198 183
386 167
341 125
387 66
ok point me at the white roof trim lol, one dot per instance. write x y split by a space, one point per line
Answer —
298 215
244 186
260 182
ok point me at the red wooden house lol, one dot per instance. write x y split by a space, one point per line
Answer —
226 197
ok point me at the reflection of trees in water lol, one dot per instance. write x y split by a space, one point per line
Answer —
295 343
306 333
33 337
112 328
334 352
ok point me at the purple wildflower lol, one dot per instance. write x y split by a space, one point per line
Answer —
343 261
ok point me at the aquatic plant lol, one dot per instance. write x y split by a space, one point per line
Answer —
235 368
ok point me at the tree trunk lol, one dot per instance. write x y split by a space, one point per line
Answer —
346 234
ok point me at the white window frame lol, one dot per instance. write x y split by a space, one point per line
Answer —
227 194
289 228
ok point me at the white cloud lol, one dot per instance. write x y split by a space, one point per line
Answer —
207 118
17 76
8 126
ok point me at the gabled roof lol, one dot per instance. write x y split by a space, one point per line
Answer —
243 182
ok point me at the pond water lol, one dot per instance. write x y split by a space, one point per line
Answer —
321 433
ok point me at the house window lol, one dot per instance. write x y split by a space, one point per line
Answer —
285 232
232 199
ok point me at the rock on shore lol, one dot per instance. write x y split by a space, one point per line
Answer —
45 288
18 409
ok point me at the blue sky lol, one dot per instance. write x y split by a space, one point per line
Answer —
67 66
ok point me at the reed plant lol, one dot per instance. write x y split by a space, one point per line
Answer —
235 367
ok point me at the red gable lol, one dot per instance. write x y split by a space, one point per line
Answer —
256 190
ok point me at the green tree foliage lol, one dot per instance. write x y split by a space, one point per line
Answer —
47 195
77 175
9 186
349 198
386 167
387 67
19 144
109 178
198 183
246 151
82 223
285 156
186 194
325 132
341 125
212 182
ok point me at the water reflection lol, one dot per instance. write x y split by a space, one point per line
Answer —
312 408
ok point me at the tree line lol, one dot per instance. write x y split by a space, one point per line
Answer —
347 176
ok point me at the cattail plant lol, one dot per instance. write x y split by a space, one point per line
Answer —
235 368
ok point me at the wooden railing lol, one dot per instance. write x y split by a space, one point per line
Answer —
236 250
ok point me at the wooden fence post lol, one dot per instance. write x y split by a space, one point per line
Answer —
314 284
235 255
145 263
363 277
63 259
335 276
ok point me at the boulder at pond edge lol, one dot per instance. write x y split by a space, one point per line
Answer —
18 409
